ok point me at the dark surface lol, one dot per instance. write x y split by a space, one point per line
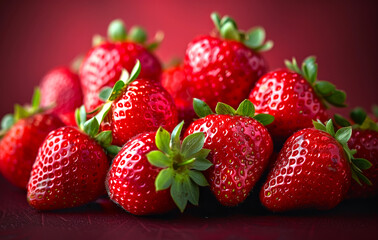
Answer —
104 220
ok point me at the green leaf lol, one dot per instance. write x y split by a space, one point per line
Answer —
91 127
100 116
113 150
97 40
138 34
178 195
310 69
255 37
329 128
369 124
20 112
36 99
375 110
319 125
162 139
117 90
265 47
192 144
293 66
201 108
203 153
343 134
216 20
224 109
337 98
77 117
228 20
159 36
361 163
325 88
175 137
201 164
159 159
117 31
164 179
7 122
192 191
105 93
228 31
198 178
246 108
135 72
83 116
358 115
341 121
264 119
104 138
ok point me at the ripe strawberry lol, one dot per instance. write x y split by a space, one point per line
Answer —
174 81
294 97
137 183
103 64
240 148
225 67
61 87
22 133
364 139
313 170
137 106
71 166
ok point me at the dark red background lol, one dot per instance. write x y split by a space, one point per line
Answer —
39 35
36 36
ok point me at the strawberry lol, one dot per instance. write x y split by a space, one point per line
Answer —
313 170
103 64
22 133
240 148
61 87
364 139
137 182
136 106
224 67
294 97
71 166
174 81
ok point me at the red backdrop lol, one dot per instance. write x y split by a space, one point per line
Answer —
39 35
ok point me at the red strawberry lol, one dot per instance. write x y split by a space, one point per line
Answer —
137 106
103 64
137 183
240 148
224 68
174 81
294 97
364 139
71 166
22 133
19 147
61 87
313 170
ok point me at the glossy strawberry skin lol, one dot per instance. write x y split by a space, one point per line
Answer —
19 147
240 150
311 171
69 171
131 179
175 82
103 65
366 144
143 107
62 87
290 99
221 70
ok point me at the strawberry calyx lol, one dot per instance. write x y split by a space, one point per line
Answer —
325 90
245 108
21 112
360 119
342 136
254 38
181 163
117 32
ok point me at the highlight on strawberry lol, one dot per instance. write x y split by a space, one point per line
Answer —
240 148
314 170
295 97
154 172
20 137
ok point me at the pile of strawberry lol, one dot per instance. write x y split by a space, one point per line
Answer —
115 127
